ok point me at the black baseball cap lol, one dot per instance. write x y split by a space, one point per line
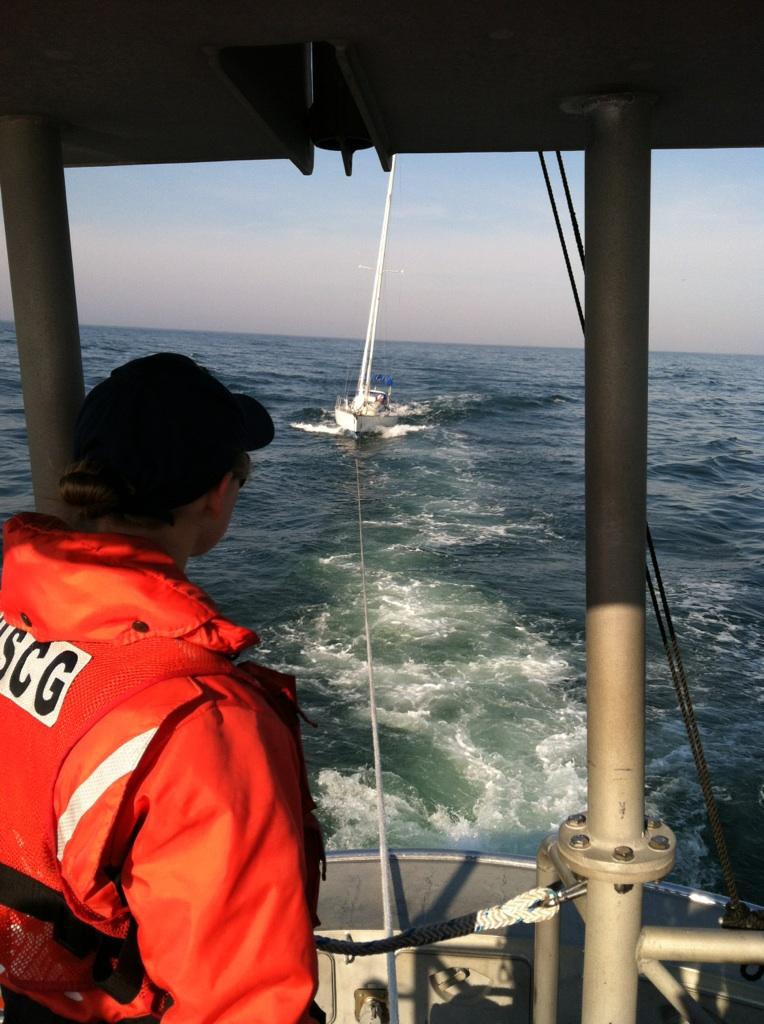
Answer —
168 430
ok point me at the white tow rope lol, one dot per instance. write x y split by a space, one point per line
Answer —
384 857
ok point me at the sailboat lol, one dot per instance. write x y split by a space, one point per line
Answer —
371 408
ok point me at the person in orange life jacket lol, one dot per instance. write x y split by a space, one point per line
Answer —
158 853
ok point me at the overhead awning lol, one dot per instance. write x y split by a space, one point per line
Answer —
137 81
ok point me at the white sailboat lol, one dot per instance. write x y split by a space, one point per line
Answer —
371 408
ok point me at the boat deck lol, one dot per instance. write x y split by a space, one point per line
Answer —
488 978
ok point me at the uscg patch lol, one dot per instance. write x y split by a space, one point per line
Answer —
37 676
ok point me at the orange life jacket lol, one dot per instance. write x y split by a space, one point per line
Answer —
53 692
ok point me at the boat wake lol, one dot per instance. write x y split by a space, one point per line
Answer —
401 429
442 408
317 428
496 715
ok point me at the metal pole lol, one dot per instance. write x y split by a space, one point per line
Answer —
688 1008
44 302
617 293
701 945
546 952
364 377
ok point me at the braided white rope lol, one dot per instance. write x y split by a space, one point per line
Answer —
384 857
527 906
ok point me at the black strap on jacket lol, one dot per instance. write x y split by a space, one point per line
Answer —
21 1009
117 967
20 892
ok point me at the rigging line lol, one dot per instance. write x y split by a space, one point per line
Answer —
561 236
571 209
676 666
384 855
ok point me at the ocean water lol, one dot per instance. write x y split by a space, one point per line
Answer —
473 509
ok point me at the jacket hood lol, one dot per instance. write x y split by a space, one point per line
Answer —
61 583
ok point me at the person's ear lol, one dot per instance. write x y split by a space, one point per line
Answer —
215 498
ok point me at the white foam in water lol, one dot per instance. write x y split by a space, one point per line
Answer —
562 755
460 522
316 428
467 688
549 669
675 796
350 800
448 402
401 429
343 559
412 408
481 702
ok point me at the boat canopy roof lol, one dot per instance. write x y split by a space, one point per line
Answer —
136 81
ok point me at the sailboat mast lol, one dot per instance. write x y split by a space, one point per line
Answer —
364 377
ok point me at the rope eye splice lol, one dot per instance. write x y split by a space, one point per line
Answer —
529 907
544 906
557 897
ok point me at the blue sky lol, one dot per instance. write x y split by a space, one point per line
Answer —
258 247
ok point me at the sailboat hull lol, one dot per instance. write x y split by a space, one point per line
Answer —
363 423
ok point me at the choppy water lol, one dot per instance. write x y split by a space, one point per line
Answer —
474 548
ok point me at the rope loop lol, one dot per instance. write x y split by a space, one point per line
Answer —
529 907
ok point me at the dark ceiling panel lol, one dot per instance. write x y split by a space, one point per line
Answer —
139 81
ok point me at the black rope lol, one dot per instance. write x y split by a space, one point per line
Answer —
423 936
676 667
561 236
571 209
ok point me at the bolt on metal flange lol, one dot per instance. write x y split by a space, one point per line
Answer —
576 820
624 853
591 857
651 824
579 842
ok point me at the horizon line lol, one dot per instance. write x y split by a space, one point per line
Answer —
396 341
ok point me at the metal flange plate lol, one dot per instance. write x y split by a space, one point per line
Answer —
649 859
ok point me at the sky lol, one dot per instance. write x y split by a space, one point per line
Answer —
259 248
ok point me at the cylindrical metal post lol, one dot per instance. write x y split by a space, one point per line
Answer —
701 945
617 294
44 302
546 952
